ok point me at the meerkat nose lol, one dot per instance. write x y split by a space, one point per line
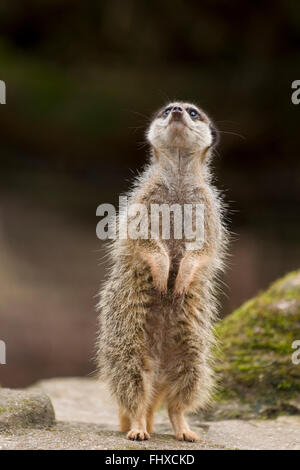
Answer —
177 112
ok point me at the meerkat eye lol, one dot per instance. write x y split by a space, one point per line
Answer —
194 113
166 112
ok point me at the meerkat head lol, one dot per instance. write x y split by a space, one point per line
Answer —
183 126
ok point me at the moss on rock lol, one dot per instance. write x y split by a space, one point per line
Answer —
20 409
257 375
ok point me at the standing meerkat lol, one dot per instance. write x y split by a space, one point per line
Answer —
158 304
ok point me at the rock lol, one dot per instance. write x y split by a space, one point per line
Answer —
256 371
21 409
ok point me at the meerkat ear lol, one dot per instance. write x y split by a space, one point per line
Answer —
215 140
215 135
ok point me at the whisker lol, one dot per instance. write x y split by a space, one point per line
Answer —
233 133
230 122
142 145
139 114
164 96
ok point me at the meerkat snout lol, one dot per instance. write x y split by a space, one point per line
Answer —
183 126
176 113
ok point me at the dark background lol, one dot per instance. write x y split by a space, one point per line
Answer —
82 80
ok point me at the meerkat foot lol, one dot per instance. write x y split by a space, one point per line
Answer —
180 426
138 435
187 435
138 430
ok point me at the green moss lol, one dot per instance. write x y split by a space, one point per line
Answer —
3 410
255 363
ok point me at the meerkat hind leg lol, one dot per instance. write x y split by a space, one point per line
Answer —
180 426
152 408
125 422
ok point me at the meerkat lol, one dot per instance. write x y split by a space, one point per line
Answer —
158 304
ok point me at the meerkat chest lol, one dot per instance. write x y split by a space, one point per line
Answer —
177 209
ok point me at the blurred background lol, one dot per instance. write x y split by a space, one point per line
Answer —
82 80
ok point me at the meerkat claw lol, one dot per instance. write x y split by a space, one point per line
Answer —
188 436
138 435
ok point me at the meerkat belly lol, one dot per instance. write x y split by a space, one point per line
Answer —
161 327
164 314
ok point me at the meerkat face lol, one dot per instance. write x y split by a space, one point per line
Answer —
182 125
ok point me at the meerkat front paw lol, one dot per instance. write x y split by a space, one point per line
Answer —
181 286
159 263
138 435
160 283
186 273
179 291
188 436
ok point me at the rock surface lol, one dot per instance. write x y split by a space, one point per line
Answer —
22 409
87 419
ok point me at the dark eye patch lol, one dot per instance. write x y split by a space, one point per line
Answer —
194 113
166 112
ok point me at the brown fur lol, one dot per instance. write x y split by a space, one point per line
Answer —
158 304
